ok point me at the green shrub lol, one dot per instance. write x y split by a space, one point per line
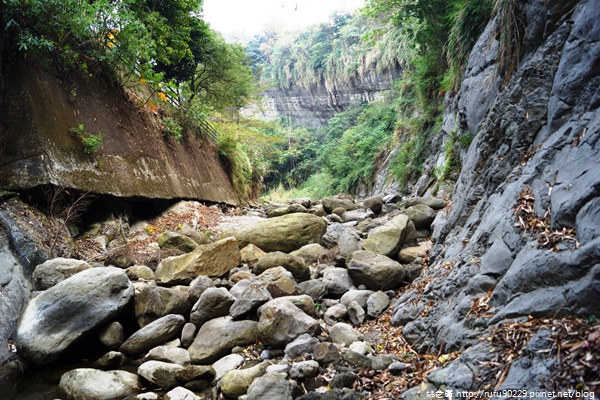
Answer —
90 142
172 128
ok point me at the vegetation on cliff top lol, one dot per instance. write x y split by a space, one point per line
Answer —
194 75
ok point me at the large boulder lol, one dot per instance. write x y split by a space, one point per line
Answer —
61 315
375 271
421 215
373 203
311 253
154 302
160 373
251 253
217 337
92 384
281 322
176 241
56 270
331 203
286 233
235 383
279 282
389 238
346 238
214 260
254 296
294 264
434 202
410 254
270 386
156 333
213 303
337 281
169 354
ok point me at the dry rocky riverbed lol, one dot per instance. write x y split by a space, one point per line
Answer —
201 304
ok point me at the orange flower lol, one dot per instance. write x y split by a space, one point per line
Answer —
162 96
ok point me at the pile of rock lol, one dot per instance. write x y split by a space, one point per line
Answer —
260 313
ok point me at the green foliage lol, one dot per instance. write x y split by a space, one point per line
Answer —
90 142
247 148
467 19
172 128
465 140
338 51
451 161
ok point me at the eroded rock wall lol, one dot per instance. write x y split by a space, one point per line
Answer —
315 105
537 134
40 106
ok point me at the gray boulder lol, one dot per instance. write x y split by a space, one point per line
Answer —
294 264
421 215
335 313
154 334
375 204
56 270
180 393
217 337
198 286
303 344
337 281
375 271
377 303
226 364
214 259
304 370
254 296
357 215
110 360
159 373
346 238
214 302
169 354
315 288
359 296
270 386
187 334
71 309
281 322
356 313
326 353
286 233
88 383
112 335
154 302
344 334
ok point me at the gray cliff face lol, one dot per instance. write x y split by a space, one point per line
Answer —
315 105
538 133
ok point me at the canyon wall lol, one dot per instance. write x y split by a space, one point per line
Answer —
520 239
40 110
315 105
